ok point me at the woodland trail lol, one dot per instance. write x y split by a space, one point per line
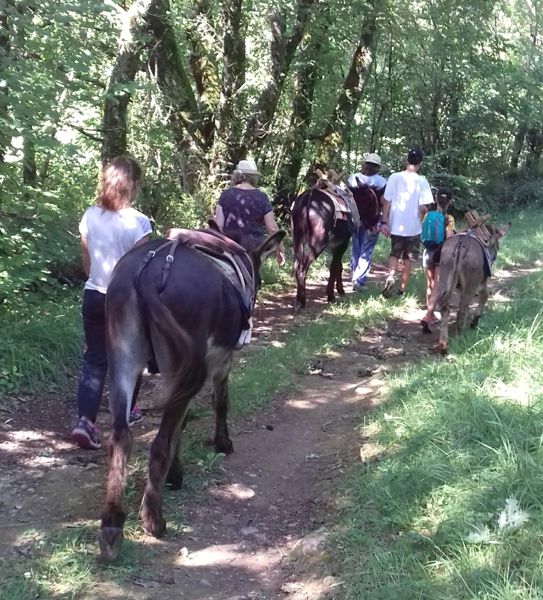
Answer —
256 527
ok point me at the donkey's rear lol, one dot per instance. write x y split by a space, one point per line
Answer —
185 306
315 228
465 264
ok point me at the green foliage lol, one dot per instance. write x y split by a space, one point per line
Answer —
41 342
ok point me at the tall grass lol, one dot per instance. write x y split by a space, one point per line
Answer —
41 343
452 505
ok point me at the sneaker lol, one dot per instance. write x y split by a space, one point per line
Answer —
135 416
389 285
86 435
357 287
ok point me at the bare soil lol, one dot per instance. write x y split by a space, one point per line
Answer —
256 528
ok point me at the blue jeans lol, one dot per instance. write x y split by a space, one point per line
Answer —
363 244
94 369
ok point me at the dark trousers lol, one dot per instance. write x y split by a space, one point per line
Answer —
94 369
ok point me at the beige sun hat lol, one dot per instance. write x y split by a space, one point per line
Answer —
373 158
247 166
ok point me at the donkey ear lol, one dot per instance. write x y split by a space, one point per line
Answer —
503 229
269 246
212 224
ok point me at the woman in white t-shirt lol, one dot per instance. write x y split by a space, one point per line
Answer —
108 230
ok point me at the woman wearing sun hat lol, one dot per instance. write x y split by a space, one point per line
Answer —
243 212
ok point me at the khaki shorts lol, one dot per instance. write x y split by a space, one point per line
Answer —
405 247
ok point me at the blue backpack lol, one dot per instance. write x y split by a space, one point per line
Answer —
433 229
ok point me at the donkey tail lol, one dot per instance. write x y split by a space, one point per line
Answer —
183 373
449 274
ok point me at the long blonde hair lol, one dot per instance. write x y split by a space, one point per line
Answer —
119 183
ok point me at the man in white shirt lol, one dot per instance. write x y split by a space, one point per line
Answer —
406 197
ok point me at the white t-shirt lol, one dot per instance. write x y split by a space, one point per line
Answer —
375 181
109 236
406 191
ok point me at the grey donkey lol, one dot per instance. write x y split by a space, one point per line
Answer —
465 264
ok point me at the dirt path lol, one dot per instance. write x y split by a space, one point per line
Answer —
256 529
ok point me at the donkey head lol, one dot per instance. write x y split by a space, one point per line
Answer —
496 234
260 254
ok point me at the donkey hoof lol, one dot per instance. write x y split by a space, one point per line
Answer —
175 480
443 349
474 323
155 526
341 291
331 298
223 446
111 539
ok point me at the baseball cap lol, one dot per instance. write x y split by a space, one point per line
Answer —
414 156
373 158
247 166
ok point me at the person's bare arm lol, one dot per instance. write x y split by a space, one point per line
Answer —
219 217
423 209
85 257
385 211
271 226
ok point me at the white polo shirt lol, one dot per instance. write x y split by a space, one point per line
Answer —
109 236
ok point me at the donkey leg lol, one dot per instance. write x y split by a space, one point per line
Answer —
163 449
175 473
483 297
339 267
113 514
463 309
301 267
182 387
221 371
444 329
127 357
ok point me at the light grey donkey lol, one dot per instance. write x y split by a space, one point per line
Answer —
465 264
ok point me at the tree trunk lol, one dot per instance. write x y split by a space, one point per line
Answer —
534 140
308 75
330 141
131 43
4 90
30 172
204 70
518 145
282 55
228 123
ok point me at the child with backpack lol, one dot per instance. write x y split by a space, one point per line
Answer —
437 226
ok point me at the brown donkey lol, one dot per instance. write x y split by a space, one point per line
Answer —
465 264
185 303
315 228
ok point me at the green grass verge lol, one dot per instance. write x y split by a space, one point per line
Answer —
41 342
451 505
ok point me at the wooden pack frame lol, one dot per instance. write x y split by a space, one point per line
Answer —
328 181
477 223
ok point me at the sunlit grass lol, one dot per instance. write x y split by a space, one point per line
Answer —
460 440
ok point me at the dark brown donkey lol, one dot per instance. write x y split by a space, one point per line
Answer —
315 229
465 264
184 302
